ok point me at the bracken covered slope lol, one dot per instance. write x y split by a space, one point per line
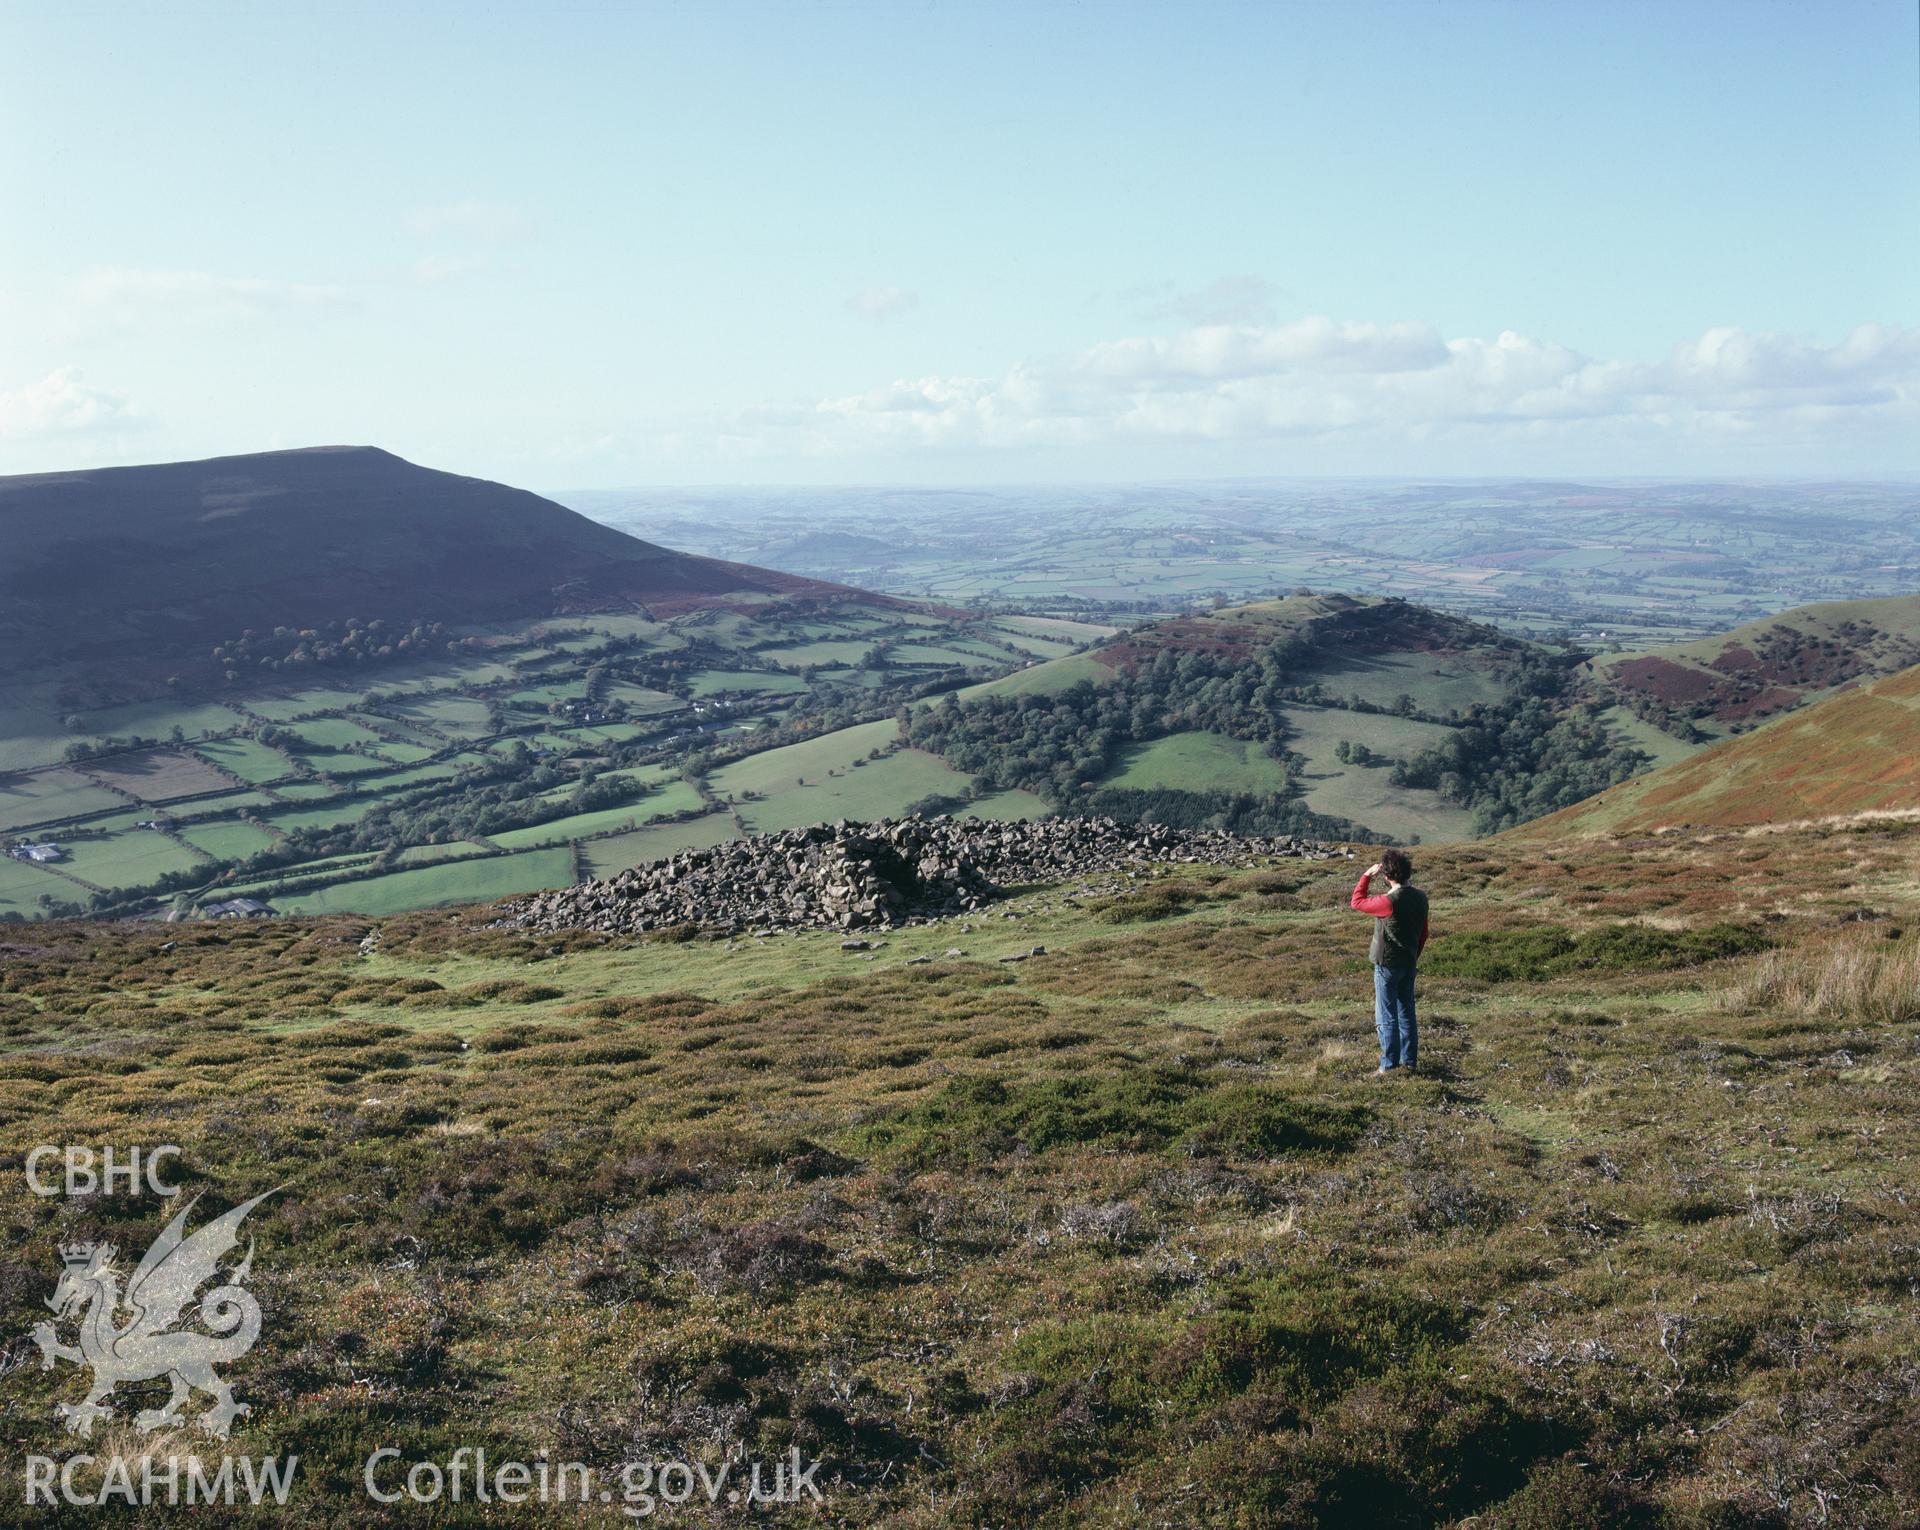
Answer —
1857 752
1773 665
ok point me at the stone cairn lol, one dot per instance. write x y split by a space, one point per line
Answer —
853 876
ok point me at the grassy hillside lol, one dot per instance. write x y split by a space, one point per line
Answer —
1120 1234
1852 753
1731 682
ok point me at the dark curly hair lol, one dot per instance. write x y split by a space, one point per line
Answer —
1396 866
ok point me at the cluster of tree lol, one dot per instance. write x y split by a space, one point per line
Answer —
336 643
1526 757
515 796
1665 716
1053 744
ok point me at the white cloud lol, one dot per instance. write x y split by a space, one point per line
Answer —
1372 382
430 270
62 404
123 295
1224 300
882 303
468 219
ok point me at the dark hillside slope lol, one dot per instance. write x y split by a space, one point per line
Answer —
140 565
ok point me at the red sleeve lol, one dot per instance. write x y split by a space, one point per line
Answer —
1379 905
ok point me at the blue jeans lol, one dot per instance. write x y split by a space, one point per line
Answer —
1393 1017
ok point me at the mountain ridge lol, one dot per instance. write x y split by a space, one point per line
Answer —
154 564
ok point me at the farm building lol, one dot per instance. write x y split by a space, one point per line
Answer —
236 908
40 854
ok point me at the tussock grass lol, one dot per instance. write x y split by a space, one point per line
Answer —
1866 980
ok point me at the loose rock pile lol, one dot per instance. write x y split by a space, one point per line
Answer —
863 876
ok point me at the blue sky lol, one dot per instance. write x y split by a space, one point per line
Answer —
594 245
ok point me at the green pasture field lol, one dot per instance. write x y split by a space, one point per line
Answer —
1437 682
710 682
296 704
247 759
877 789
325 733
457 716
215 807
325 816
1363 793
642 699
425 855
619 852
1007 806
22 885
1642 735
406 754
130 858
777 769
345 766
542 696
825 651
406 730
1198 762
459 881
305 791
157 719
966 657
329 865
1045 679
1059 628
228 841
674 799
49 795
609 733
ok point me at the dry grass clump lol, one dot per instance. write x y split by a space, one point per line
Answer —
1861 980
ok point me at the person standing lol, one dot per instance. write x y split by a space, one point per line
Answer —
1399 936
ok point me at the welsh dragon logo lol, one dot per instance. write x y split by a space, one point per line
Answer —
144 1344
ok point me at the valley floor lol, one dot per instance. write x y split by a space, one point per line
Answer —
1118 1232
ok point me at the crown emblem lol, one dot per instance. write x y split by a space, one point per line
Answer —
78 1256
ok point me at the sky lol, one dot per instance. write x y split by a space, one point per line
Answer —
597 245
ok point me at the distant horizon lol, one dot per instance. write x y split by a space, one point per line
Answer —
1610 480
